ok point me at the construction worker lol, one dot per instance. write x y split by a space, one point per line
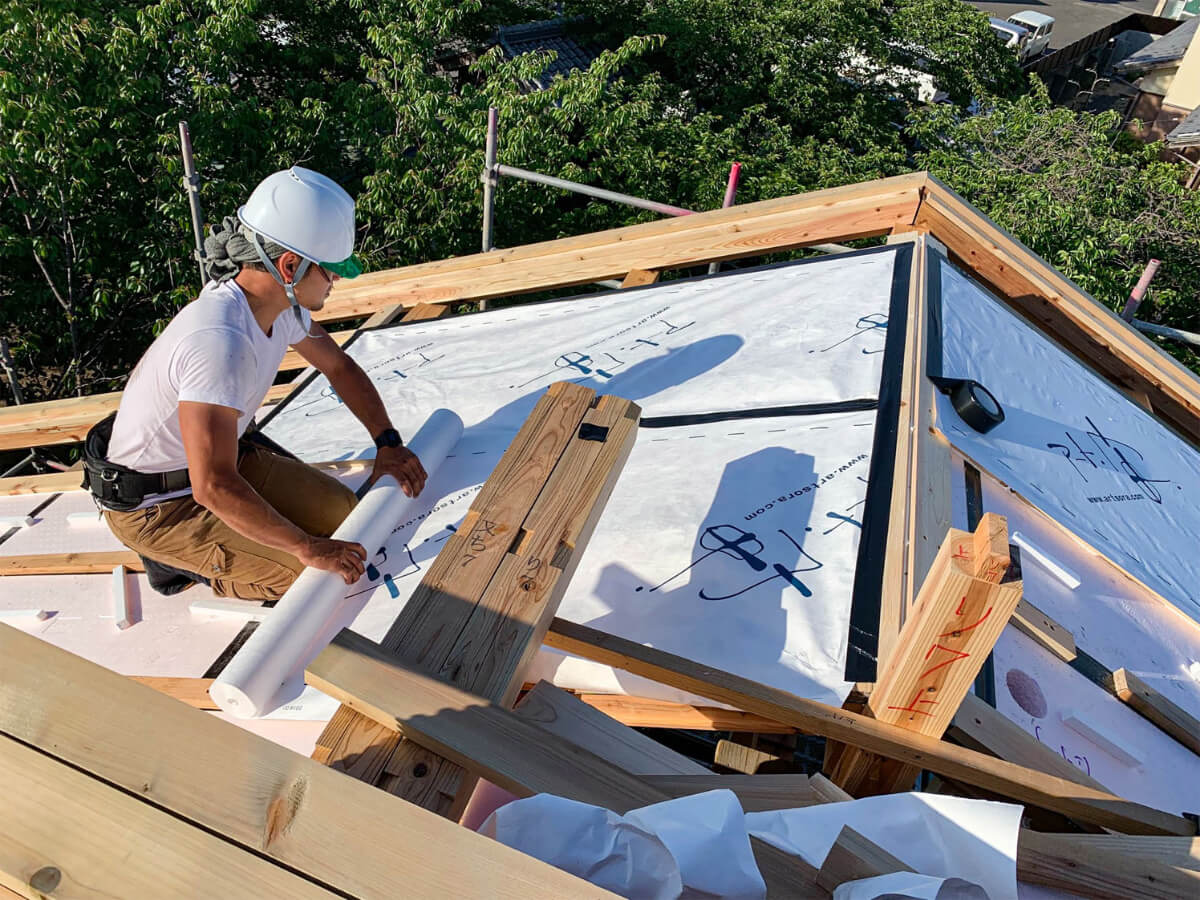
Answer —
179 480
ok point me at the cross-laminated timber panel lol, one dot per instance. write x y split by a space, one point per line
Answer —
252 793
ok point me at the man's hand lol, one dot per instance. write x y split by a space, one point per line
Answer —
346 558
403 465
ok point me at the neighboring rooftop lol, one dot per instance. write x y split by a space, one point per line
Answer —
1167 49
552 34
1187 132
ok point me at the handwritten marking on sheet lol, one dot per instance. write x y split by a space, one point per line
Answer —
1097 452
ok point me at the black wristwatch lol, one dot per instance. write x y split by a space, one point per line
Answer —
389 437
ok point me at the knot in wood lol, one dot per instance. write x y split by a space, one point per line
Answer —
46 879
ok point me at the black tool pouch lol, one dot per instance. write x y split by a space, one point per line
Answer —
117 487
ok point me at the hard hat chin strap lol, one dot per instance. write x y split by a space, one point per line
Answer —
288 286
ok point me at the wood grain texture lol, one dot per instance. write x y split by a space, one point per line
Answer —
560 713
250 790
192 691
811 717
920 500
852 857
504 631
1152 705
959 614
639 277
639 712
509 750
1034 623
741 758
105 843
982 727
1102 872
756 793
70 563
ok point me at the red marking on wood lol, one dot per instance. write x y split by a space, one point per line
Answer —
958 631
959 655
913 707
961 604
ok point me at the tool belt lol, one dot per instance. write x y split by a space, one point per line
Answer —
115 486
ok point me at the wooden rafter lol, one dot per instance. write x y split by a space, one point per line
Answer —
258 797
811 717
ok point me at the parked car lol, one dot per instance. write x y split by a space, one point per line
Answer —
1014 37
1039 26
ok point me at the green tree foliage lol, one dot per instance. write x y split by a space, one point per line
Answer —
1093 201
390 96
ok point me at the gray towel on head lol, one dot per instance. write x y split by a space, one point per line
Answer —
228 247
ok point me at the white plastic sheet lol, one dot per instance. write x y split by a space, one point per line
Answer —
811 332
948 837
733 542
909 886
1074 446
694 846
699 846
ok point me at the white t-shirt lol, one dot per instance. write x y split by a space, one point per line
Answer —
213 351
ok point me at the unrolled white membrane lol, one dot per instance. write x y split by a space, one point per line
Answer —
269 667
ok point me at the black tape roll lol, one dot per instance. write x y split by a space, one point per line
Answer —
976 406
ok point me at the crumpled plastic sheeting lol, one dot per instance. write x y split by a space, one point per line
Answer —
909 886
699 846
691 847
934 834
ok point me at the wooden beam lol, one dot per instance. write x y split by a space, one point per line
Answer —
249 790
568 717
1182 852
812 717
852 857
981 727
920 502
1075 864
70 563
293 360
639 277
66 834
756 793
1034 623
192 691
479 614
1169 717
862 210
639 712
960 612
741 758
1097 336
507 749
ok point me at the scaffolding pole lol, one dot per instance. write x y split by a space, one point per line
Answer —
731 187
191 183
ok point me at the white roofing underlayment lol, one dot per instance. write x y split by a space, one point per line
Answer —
733 540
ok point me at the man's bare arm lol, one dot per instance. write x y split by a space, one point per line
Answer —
354 386
210 440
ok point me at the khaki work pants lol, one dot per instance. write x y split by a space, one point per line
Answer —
183 534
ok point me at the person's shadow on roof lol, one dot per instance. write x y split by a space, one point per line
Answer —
726 607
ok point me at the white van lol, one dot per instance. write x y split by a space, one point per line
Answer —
1014 37
1040 27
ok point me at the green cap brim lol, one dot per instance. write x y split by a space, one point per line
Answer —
350 267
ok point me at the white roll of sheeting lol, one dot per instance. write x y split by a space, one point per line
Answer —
271 663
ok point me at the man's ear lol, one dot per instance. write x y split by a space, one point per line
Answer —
287 264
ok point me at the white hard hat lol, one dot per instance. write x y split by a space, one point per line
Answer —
307 213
